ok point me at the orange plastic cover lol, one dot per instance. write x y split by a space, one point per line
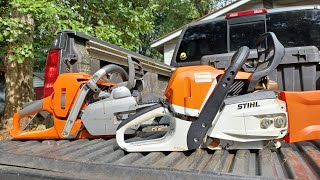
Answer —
189 85
66 89
59 103
304 115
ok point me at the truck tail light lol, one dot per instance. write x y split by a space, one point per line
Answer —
246 13
51 71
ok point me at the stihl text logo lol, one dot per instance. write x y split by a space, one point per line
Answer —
248 105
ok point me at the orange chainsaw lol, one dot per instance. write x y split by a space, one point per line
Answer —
84 106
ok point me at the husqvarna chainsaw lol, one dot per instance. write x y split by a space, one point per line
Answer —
84 106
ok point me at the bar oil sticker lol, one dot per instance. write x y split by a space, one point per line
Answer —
202 77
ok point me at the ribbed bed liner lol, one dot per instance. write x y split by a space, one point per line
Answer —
100 158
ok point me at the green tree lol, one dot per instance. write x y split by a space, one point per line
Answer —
203 6
116 21
18 23
28 27
168 15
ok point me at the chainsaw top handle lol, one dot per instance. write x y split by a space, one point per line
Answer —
271 57
129 79
110 68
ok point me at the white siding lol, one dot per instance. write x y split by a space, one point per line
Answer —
286 3
168 51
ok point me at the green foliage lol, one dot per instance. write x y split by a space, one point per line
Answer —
19 53
132 24
12 31
49 17
172 14
116 21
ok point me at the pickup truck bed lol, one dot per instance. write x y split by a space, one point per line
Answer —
101 158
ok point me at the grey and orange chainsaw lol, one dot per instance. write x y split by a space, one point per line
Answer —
84 106
204 108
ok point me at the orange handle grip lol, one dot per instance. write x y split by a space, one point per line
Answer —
16 129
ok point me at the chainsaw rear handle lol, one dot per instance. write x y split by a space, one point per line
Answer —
31 108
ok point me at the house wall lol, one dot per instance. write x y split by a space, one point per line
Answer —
169 50
254 4
286 3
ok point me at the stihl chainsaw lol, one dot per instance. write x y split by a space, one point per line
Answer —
215 109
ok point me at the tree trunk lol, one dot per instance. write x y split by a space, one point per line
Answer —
19 78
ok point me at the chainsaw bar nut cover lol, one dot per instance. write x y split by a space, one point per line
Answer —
280 122
265 123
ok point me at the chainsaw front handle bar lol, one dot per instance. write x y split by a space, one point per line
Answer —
92 82
129 79
173 140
